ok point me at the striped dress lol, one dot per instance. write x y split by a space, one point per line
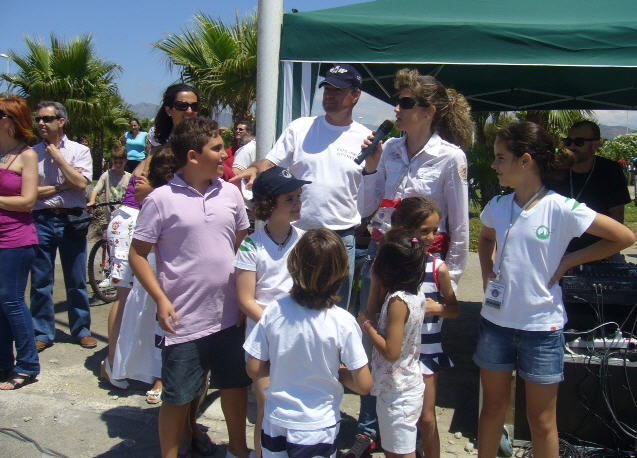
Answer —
432 356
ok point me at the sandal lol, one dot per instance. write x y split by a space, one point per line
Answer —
205 446
153 396
105 373
4 374
17 381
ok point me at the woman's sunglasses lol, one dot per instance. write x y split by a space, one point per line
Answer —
183 106
407 103
578 141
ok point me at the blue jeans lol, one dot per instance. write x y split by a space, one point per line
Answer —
53 236
15 319
349 239
367 418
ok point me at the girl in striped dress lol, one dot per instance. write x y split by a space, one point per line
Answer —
419 216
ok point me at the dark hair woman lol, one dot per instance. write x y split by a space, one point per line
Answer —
135 142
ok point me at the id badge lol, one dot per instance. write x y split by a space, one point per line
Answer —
494 294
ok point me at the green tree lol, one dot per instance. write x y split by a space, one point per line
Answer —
71 73
623 148
219 59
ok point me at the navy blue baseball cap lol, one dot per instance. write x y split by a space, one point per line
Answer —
275 181
342 76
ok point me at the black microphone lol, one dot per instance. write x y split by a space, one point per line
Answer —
381 133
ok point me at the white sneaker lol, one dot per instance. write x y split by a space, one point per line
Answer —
106 283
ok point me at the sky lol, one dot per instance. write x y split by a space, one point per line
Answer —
123 33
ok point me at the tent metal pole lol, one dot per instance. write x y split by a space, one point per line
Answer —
270 21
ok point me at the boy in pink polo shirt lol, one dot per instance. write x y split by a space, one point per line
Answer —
195 223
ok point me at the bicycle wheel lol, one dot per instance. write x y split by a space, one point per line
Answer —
99 271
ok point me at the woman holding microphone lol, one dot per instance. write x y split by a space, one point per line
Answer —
427 161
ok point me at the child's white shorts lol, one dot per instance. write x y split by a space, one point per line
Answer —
282 442
398 415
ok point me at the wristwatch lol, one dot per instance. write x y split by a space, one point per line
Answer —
57 187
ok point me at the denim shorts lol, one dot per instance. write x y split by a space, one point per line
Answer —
184 365
538 356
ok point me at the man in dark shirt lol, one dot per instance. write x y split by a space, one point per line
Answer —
594 180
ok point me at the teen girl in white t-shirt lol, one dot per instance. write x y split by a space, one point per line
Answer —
261 262
523 314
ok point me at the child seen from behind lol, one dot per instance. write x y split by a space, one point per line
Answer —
301 341
261 263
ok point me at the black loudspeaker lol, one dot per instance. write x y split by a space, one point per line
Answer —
582 410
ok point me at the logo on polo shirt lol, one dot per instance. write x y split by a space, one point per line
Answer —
542 232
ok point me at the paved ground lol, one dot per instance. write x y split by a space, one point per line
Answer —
68 412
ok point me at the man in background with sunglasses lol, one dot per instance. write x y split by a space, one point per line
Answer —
65 168
594 180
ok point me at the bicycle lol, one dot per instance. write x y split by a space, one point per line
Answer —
100 264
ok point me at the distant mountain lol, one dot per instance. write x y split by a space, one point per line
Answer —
610 132
144 110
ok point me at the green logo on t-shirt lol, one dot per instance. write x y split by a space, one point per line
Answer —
542 232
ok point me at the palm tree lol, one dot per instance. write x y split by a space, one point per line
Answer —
71 73
220 60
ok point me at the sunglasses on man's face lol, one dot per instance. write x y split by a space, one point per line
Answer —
578 141
183 106
46 119
407 103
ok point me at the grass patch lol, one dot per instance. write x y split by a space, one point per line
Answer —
475 226
630 216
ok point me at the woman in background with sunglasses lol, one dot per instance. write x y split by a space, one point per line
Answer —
180 102
18 237
427 161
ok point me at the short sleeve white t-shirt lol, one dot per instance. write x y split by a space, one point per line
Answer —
258 253
534 248
324 154
245 156
305 348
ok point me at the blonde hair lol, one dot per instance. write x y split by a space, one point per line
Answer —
452 120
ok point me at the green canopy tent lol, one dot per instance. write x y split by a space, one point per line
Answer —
547 54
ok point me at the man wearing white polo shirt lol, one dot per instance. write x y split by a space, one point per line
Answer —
322 149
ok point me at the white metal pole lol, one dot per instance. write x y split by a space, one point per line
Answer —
269 41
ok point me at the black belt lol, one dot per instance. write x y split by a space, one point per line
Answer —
60 211
343 232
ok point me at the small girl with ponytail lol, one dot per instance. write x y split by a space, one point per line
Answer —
400 268
523 314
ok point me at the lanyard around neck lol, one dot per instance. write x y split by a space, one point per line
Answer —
512 220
